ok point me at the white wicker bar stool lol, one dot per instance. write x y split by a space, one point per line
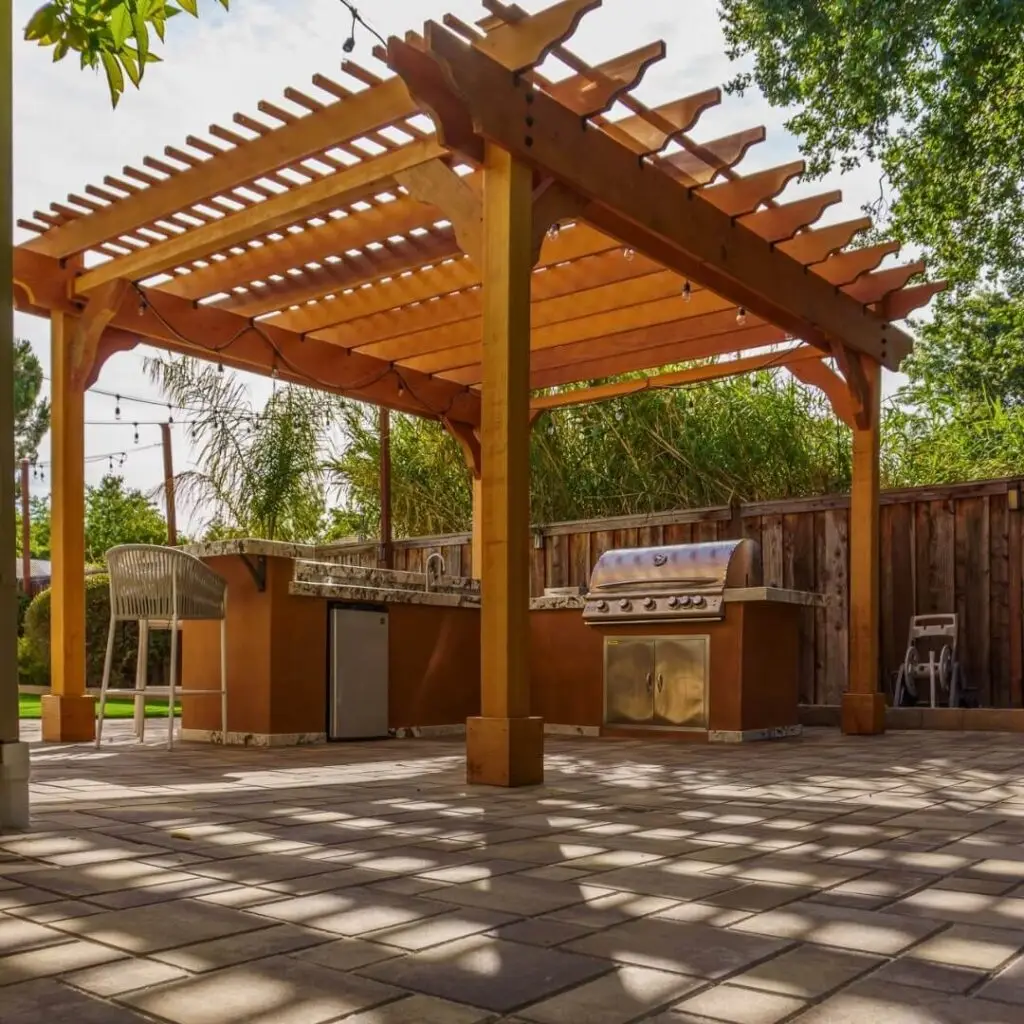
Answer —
159 587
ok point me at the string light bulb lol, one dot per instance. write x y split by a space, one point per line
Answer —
628 254
401 387
142 305
741 316
220 366
687 291
554 230
136 426
117 407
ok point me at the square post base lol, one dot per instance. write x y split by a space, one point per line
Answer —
13 786
863 714
505 751
68 719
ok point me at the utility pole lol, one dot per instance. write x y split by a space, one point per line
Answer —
172 522
13 753
384 555
26 531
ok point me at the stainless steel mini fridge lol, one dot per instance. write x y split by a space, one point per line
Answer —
358 700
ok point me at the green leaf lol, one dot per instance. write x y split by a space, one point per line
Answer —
115 79
190 7
44 24
224 4
131 66
158 25
141 36
120 25
60 51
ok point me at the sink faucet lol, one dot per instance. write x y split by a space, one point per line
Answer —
426 572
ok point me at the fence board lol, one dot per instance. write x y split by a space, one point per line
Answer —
798 574
999 601
972 574
897 585
579 559
772 551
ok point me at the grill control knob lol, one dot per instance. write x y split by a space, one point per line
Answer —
649 603
698 601
602 606
685 600
625 604
673 602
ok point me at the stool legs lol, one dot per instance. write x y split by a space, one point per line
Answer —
141 672
107 661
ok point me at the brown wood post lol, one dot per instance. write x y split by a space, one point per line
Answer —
14 804
67 710
385 554
172 516
505 746
26 531
863 710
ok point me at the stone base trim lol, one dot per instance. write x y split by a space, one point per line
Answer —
253 739
780 732
554 729
409 732
14 771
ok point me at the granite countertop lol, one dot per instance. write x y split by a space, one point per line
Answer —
554 602
337 591
776 595
250 546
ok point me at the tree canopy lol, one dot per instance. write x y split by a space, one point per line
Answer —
115 514
116 35
932 89
31 414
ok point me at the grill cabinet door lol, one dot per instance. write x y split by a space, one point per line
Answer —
680 682
629 680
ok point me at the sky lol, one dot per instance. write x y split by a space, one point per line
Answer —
66 136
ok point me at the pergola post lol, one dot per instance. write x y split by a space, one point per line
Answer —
505 745
863 711
67 711
14 811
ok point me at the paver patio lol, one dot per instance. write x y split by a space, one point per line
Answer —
823 880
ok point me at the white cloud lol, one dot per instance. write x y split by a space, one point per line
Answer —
66 135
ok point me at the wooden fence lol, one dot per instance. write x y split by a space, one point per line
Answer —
953 548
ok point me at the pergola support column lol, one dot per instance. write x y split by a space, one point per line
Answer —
505 745
67 711
863 710
14 811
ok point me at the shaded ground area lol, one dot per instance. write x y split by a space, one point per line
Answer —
823 880
30 706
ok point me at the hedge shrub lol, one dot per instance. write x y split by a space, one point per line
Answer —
34 647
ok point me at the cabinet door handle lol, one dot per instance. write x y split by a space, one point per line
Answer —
661 683
650 683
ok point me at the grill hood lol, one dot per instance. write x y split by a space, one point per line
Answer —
681 581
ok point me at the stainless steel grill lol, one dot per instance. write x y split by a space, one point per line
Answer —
681 581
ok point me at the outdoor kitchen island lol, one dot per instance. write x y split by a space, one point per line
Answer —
293 611
669 642
676 642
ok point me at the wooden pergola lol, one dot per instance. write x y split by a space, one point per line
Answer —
464 240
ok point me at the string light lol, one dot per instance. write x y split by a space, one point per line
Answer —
142 305
554 230
357 19
628 254
220 366
687 291
117 407
170 414
136 426
741 316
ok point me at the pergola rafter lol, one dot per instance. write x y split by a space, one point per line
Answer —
444 239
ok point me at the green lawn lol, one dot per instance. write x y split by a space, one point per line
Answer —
29 706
